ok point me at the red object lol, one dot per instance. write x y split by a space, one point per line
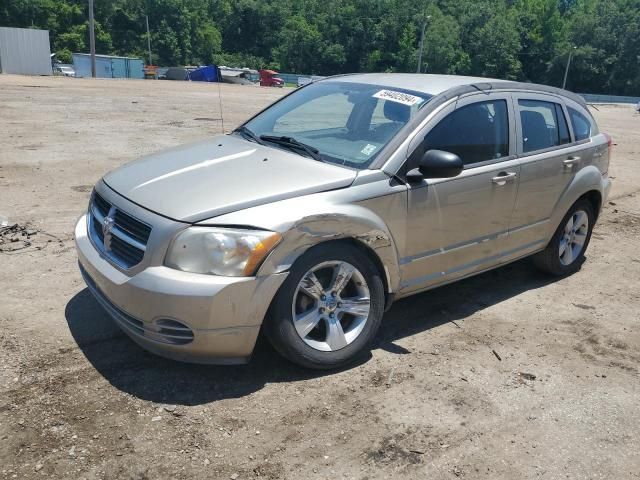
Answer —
609 142
268 79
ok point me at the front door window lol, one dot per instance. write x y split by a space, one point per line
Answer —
476 133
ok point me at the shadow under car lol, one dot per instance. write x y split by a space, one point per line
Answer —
133 370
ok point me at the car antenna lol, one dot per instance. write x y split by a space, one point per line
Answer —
220 100
593 106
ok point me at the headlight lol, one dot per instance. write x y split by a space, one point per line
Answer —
220 251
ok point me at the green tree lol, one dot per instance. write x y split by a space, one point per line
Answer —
517 39
406 55
443 52
544 39
495 48
208 43
300 46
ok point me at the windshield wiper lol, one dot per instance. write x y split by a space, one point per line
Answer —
293 143
248 133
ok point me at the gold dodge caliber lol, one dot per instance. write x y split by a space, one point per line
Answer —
309 219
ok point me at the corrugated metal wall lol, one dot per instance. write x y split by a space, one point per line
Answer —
108 66
82 66
25 51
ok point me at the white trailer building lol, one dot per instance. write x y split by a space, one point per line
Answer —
25 51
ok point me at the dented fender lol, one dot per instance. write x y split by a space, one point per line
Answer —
314 219
354 222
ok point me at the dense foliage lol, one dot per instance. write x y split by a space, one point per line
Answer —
516 39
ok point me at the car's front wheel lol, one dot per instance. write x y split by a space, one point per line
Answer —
565 253
329 308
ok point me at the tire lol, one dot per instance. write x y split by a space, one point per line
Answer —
551 260
324 347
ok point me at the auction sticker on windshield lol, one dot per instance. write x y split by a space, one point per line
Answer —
398 97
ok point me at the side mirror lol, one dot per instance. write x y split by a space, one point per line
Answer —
436 164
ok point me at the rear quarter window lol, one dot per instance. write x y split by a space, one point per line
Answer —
581 125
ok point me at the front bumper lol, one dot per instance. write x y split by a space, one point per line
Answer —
223 315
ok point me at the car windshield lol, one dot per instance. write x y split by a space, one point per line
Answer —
347 123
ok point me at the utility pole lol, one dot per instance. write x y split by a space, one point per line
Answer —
148 40
92 40
424 26
566 70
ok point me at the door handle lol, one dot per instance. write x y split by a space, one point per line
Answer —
504 177
570 162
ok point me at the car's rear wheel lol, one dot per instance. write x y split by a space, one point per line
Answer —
329 308
565 253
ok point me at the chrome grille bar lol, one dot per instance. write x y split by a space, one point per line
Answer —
131 234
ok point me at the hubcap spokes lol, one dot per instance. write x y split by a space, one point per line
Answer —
574 237
331 305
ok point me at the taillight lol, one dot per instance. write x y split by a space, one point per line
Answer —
609 141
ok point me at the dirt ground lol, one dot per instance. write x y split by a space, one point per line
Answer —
78 399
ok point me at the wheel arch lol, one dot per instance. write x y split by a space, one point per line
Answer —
588 183
595 198
373 257
280 324
365 232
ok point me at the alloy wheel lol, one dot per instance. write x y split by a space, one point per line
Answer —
573 237
331 305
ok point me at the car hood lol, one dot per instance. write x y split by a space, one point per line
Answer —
220 175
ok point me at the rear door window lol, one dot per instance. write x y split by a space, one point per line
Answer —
476 133
581 125
543 125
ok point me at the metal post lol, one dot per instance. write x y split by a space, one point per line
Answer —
424 26
92 40
566 70
149 40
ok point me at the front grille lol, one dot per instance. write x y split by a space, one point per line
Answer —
101 205
127 236
126 252
133 227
